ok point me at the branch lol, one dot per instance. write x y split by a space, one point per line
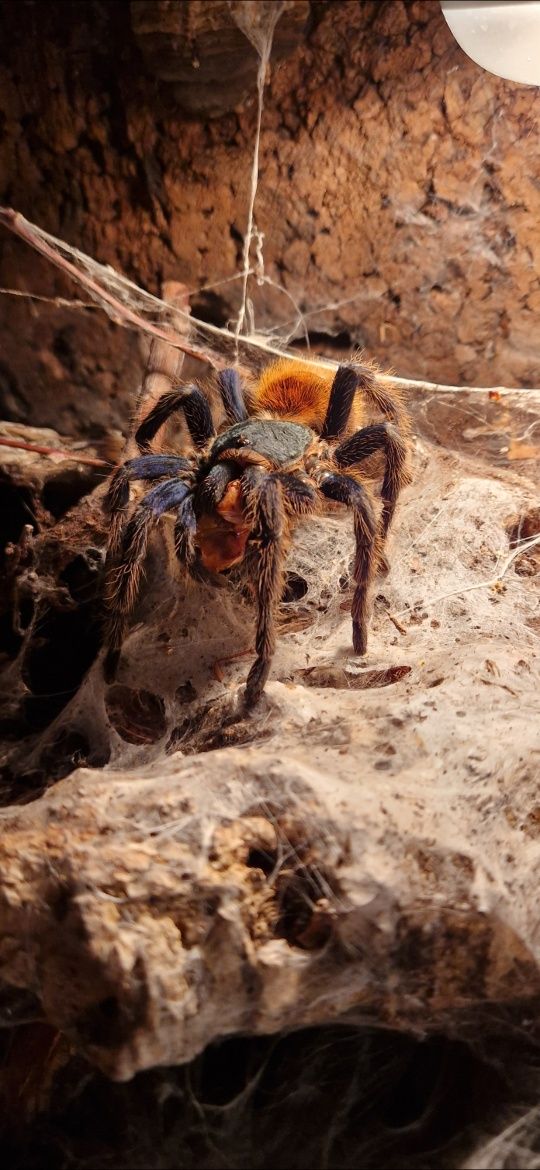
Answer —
59 302
40 450
219 349
27 232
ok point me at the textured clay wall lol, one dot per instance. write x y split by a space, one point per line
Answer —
400 185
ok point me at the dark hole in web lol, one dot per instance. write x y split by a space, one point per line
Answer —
61 492
317 1097
259 859
16 509
414 1094
81 575
226 1069
20 787
63 646
10 640
137 715
300 919
434 1095
186 692
321 341
71 750
296 587
26 612
210 307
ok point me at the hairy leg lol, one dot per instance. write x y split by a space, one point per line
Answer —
387 401
268 530
122 582
232 395
185 531
214 485
346 382
381 437
347 491
300 496
197 412
115 504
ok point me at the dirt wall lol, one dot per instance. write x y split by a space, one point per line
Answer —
398 185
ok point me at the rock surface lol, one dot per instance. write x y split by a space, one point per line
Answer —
362 847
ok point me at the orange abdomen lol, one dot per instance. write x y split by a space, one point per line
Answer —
299 393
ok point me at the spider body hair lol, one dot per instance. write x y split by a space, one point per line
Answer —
292 390
291 442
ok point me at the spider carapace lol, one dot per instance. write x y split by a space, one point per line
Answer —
289 442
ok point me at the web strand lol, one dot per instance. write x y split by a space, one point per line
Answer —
134 308
258 23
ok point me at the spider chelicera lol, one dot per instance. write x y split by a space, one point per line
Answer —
242 489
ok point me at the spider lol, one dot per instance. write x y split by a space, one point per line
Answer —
242 489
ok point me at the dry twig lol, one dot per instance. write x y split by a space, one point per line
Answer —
38 449
220 343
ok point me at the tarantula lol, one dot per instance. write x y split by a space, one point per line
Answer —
243 488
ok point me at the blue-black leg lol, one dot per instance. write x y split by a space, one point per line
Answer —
347 381
232 395
214 485
145 467
386 438
122 583
164 498
347 491
196 409
340 402
184 532
206 497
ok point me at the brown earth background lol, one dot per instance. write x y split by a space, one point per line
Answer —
399 184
